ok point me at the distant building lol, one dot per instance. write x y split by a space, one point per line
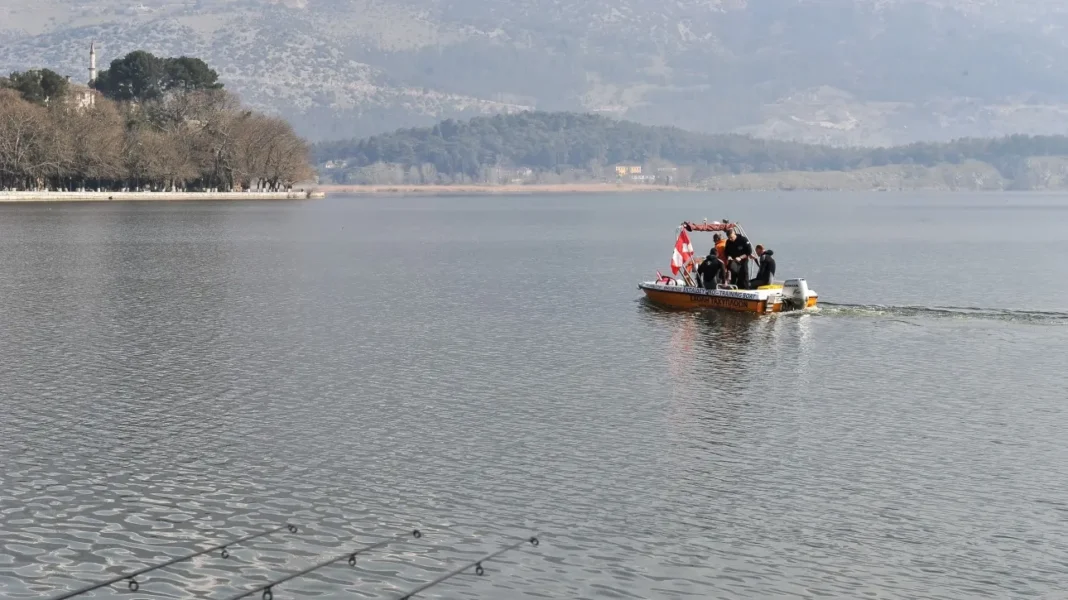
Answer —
82 97
667 174
516 175
624 169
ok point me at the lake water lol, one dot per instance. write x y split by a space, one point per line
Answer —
181 374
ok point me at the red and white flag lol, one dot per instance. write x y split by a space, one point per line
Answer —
683 252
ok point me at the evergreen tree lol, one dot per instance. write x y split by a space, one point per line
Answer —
38 86
140 76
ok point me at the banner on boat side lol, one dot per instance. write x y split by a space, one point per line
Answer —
696 291
722 302
735 294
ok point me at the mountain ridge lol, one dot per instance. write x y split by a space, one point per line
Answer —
843 72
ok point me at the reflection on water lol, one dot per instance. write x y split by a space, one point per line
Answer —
719 361
722 349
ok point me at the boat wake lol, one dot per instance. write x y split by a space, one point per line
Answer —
1035 317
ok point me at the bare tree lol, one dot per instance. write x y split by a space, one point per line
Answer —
155 161
93 137
24 140
285 156
254 137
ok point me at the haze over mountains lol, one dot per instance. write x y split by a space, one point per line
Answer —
873 72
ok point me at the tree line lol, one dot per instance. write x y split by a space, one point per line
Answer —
150 124
569 143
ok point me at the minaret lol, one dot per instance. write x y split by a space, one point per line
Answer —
92 62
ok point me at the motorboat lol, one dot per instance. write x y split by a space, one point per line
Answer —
682 292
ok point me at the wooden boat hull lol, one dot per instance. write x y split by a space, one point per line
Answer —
768 299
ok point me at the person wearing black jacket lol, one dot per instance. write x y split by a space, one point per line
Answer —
766 272
739 251
711 270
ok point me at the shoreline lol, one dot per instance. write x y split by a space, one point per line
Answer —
497 190
14 197
553 189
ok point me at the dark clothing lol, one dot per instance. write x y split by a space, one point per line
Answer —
739 273
739 247
711 272
766 273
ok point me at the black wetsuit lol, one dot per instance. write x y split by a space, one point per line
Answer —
739 248
710 270
766 273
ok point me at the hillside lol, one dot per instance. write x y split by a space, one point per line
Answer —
830 71
554 147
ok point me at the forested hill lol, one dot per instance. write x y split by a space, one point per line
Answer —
547 141
571 142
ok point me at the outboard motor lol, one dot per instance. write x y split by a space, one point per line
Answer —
795 293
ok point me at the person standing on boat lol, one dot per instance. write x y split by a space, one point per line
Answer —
739 251
766 272
711 270
721 247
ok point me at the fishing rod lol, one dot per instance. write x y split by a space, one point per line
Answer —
266 588
476 564
132 576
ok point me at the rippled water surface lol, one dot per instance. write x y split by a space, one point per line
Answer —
177 375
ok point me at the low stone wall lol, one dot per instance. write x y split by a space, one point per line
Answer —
150 196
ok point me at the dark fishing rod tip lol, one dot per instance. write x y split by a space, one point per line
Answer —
131 578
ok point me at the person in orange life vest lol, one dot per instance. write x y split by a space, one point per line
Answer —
721 247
